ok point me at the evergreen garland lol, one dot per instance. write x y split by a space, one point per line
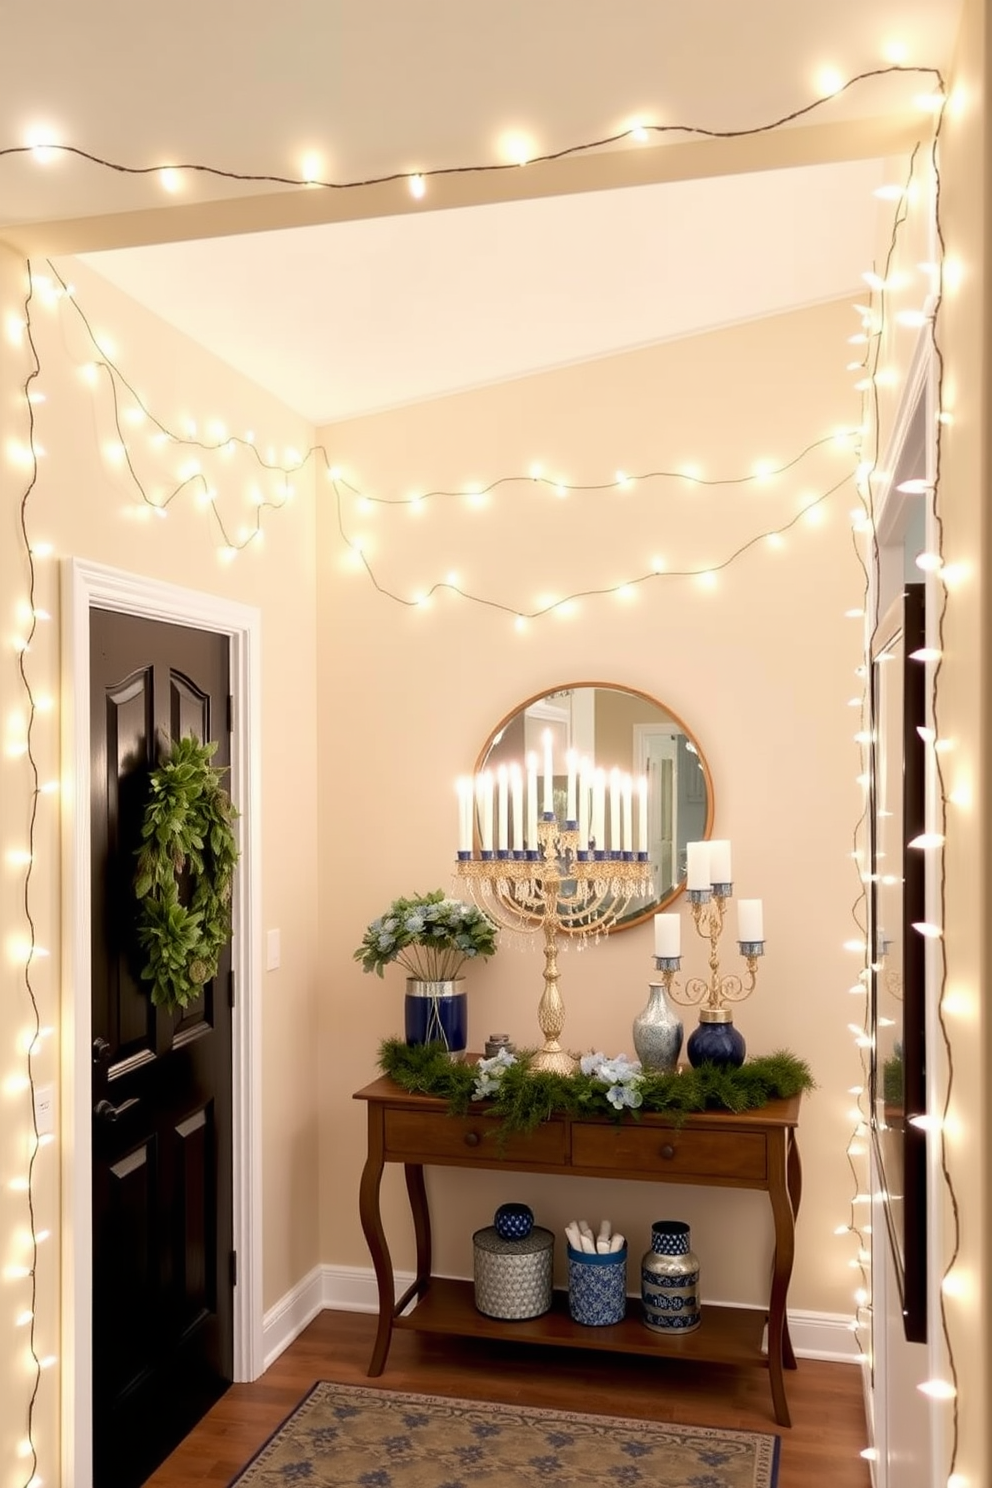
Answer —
527 1097
184 874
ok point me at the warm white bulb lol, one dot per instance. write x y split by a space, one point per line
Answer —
417 186
169 179
829 81
938 1389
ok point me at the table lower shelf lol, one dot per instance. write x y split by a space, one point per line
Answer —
726 1335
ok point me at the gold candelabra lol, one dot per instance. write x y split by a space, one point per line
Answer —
712 994
562 890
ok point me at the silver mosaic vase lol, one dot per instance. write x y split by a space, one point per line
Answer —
670 1280
658 1032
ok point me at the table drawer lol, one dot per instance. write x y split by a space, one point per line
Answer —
669 1152
424 1137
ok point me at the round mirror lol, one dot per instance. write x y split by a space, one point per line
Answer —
618 729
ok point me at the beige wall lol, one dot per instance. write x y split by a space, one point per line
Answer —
760 667
83 505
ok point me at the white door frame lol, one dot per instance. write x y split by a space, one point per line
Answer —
85 585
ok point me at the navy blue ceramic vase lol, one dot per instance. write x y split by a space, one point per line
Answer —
513 1221
437 1013
716 1041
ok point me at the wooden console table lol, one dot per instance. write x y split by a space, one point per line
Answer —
756 1149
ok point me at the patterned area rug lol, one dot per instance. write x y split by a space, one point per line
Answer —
348 1436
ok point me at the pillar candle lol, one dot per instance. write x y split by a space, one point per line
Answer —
615 830
517 805
697 865
549 774
465 794
720 861
486 812
502 808
532 801
585 784
642 813
572 761
667 935
750 924
599 809
626 791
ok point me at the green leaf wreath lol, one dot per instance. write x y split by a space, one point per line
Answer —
184 874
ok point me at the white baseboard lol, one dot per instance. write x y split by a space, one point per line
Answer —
815 1335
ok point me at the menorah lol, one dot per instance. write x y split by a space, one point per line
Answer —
562 889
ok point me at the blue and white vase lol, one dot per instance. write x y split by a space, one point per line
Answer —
670 1280
716 1040
437 1013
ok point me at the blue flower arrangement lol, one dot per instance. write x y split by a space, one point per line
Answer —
431 936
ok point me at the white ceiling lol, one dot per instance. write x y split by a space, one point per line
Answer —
383 300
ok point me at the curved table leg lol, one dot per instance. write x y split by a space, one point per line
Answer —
783 1214
794 1180
421 1223
371 1217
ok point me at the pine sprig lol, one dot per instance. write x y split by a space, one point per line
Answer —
525 1097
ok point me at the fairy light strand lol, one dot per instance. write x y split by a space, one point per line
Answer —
634 132
29 868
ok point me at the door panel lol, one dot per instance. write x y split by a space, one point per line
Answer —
162 1159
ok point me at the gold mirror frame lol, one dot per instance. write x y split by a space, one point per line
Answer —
513 724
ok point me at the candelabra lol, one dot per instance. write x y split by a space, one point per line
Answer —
563 890
716 1039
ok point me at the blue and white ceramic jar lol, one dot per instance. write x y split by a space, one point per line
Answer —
670 1280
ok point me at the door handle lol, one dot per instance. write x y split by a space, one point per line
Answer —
101 1051
105 1110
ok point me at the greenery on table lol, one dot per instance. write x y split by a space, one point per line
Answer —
523 1097
430 935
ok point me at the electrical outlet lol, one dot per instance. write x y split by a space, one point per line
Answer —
44 1109
272 950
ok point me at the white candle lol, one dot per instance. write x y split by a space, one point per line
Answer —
626 790
465 796
486 812
642 813
697 865
572 761
615 829
720 861
517 805
599 809
549 772
667 935
532 801
502 808
750 924
584 789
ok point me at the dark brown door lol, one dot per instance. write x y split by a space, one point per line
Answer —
162 1162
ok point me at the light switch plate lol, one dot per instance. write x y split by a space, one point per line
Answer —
44 1109
273 950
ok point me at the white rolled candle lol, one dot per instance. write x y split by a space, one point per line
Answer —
604 1230
626 792
588 1245
572 761
486 812
615 827
464 788
697 865
599 809
517 805
502 808
549 774
750 920
532 801
642 813
720 871
617 1242
667 935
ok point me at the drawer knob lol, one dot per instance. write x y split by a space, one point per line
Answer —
668 1150
471 1139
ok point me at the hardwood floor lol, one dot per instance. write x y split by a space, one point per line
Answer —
822 1447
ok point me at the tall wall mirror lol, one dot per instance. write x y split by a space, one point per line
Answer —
619 727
